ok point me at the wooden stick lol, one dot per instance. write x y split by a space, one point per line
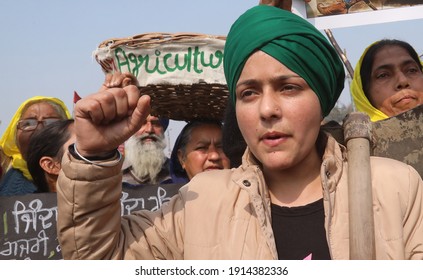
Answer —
357 134
340 52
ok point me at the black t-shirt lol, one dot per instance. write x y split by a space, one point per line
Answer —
300 232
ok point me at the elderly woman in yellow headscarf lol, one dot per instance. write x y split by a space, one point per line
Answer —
388 79
31 115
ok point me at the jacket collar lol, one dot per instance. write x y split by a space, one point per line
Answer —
334 155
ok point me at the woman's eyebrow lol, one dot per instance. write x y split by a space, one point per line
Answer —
274 79
392 65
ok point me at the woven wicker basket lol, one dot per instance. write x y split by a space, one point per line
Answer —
182 72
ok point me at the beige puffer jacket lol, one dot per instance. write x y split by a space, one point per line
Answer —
226 214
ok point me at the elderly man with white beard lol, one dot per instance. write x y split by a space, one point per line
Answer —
145 160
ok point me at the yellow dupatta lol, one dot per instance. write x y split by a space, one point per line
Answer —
8 140
361 101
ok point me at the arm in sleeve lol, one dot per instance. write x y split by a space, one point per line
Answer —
90 225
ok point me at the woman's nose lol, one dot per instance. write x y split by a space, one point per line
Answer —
213 153
402 81
269 106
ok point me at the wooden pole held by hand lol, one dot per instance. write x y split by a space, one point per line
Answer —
357 134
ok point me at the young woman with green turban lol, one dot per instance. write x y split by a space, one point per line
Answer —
289 197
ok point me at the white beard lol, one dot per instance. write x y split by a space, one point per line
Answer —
146 159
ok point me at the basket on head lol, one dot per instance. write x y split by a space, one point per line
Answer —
182 72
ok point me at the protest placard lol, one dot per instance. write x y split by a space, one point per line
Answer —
28 227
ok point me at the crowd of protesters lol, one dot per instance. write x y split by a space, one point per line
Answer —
294 177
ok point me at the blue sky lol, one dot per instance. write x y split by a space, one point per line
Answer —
46 45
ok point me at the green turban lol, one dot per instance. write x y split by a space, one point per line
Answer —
292 41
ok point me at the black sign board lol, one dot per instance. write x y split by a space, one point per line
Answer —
28 222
